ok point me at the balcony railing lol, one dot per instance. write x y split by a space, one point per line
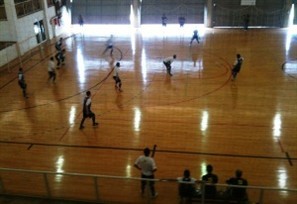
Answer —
118 189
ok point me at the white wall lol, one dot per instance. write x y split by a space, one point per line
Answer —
21 30
5 34
8 54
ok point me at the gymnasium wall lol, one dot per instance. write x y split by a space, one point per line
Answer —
101 11
192 10
265 13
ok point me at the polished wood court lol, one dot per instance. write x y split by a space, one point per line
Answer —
198 116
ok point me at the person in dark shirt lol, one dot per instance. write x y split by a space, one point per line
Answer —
164 20
181 21
237 193
22 82
80 20
59 45
195 37
60 57
210 178
246 21
87 113
186 188
237 66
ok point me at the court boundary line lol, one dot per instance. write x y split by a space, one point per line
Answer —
31 145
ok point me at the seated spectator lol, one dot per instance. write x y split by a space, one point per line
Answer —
186 191
237 193
210 178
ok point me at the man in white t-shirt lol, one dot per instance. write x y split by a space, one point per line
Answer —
109 45
51 69
167 62
116 77
147 166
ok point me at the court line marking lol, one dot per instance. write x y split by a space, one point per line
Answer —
141 149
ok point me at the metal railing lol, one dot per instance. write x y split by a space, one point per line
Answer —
106 188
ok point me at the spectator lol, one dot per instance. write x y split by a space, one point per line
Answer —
238 194
147 166
186 188
210 178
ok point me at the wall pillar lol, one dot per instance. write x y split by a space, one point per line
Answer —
11 19
209 13
136 6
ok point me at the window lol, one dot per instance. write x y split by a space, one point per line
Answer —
2 11
39 31
26 7
50 3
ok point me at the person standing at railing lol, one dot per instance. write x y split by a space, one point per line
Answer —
147 166
210 178
238 194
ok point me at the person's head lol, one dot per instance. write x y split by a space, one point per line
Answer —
209 168
88 93
61 39
238 173
118 64
187 173
52 58
146 152
174 56
238 56
20 69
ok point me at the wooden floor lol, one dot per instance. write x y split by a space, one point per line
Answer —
198 116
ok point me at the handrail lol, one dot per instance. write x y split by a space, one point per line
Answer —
138 178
